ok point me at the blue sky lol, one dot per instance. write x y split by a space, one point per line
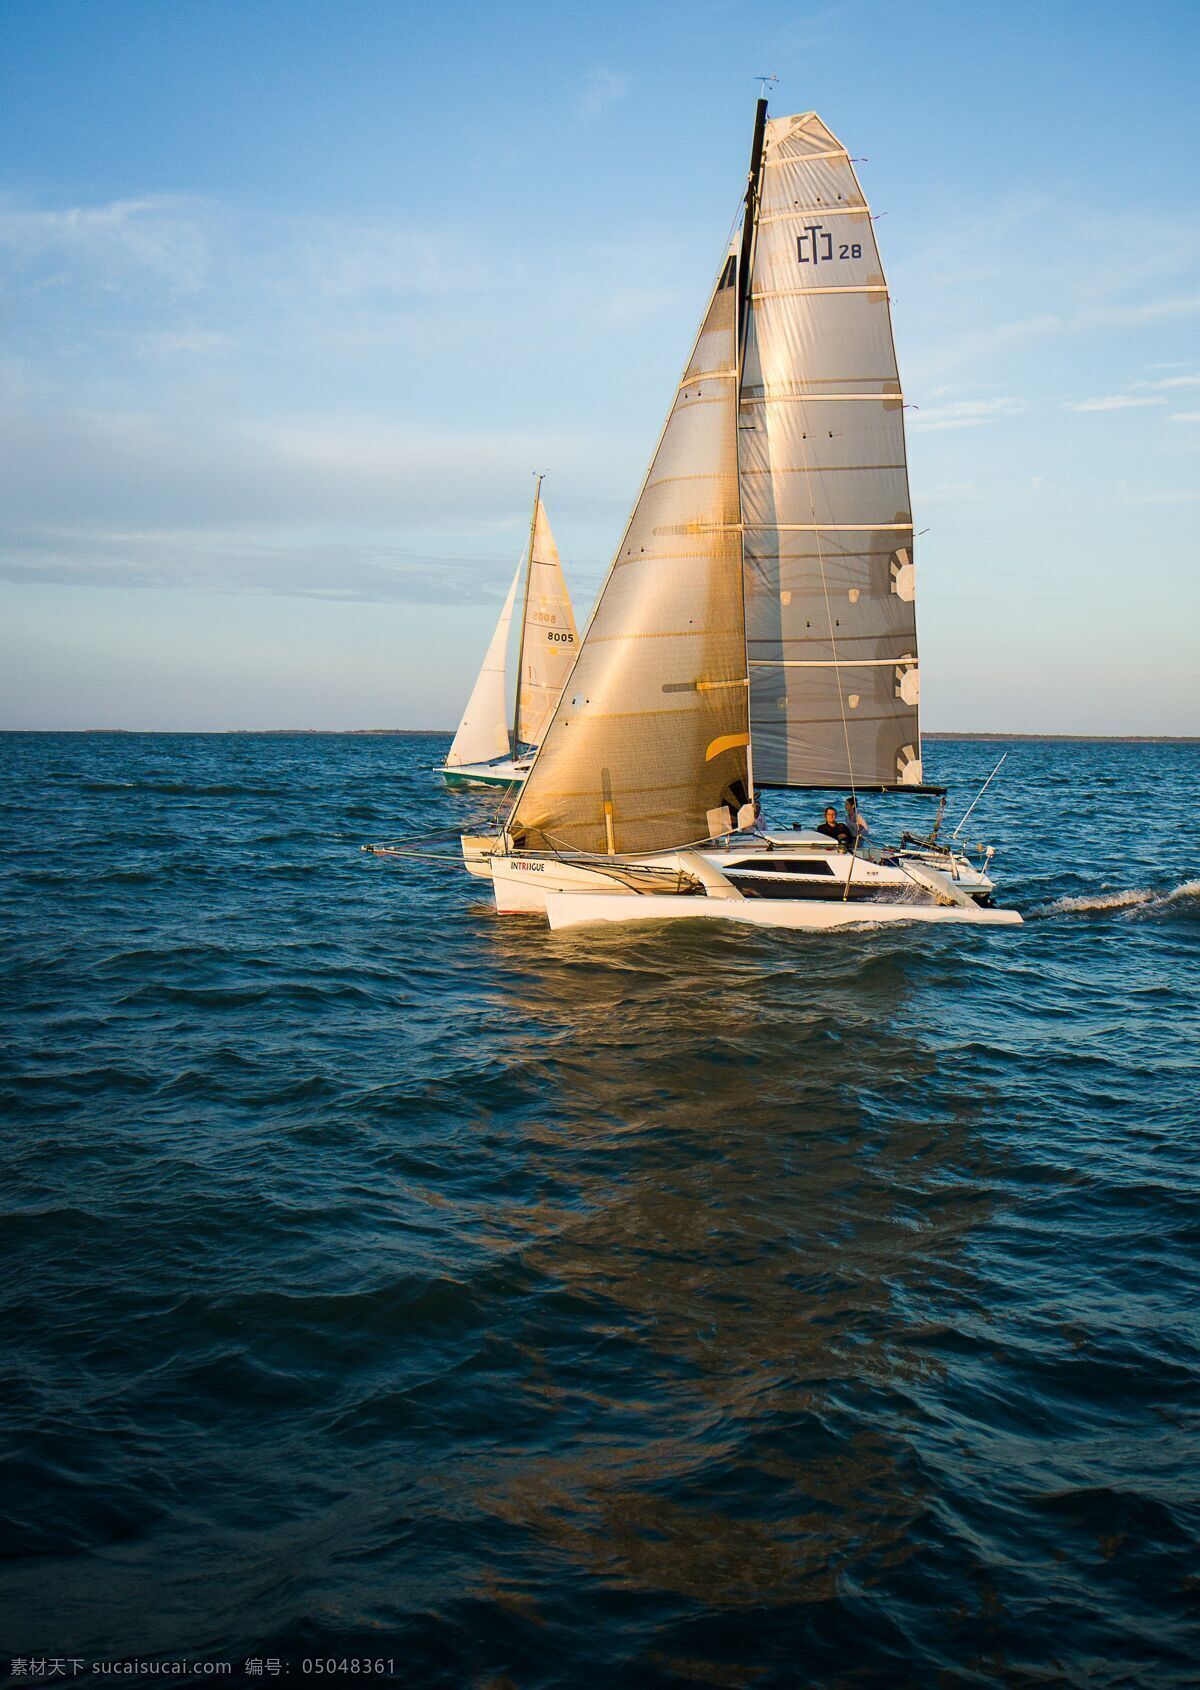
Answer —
298 295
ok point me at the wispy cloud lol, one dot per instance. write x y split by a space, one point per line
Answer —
186 343
311 509
1185 416
603 89
949 493
1111 402
962 413
1147 311
162 235
1170 382
1160 496
208 560
949 281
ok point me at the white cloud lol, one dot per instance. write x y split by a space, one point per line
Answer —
1111 402
947 281
1170 382
1185 416
233 561
1163 496
313 509
354 261
186 343
962 413
164 236
948 493
1148 311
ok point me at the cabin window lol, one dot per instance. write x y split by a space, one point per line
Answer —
780 865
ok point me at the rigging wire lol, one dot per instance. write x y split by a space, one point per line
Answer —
977 797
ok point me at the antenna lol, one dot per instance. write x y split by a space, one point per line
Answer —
762 85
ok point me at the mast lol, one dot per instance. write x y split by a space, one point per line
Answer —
744 281
537 494
748 222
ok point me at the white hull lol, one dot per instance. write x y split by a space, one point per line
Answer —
506 773
796 868
576 909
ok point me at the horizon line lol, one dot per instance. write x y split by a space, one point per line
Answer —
439 733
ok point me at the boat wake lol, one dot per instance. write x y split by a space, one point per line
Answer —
1131 898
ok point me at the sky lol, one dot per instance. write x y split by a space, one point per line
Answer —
298 294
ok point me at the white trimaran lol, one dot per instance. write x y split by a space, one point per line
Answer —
757 627
482 753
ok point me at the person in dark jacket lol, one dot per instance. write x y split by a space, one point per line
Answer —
836 829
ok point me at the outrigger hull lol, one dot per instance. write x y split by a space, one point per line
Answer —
573 910
577 909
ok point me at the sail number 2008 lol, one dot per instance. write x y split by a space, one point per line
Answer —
816 246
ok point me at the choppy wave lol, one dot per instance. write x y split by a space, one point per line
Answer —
663 1307
1090 903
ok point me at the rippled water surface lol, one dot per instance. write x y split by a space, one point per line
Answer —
654 1307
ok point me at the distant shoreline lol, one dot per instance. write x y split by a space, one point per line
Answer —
1082 739
445 733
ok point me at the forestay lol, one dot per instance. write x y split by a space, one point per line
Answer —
830 612
483 732
651 732
549 638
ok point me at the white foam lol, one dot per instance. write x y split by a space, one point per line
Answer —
1130 898
1099 901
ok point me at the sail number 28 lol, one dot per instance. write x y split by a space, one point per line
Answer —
816 246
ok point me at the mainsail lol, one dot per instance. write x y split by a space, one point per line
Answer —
758 622
830 614
548 636
651 732
483 732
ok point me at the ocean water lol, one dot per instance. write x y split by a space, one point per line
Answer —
389 1281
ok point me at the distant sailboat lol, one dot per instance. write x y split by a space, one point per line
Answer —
757 625
487 750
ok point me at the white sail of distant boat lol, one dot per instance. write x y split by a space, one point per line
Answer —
483 732
490 748
548 634
757 627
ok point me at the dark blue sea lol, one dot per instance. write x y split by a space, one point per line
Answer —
398 1291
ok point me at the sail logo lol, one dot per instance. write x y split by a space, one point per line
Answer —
816 246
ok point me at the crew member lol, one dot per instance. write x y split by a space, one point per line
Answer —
856 821
836 829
